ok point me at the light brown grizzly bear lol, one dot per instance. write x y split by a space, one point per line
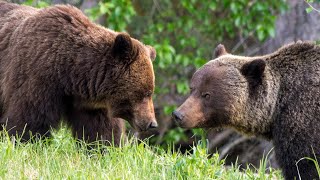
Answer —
57 65
276 96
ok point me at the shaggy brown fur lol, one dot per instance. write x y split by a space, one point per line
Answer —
55 63
276 96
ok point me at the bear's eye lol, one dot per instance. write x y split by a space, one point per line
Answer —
191 89
205 95
149 94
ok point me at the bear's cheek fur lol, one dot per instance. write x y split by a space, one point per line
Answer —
224 106
139 113
143 114
122 109
216 111
133 101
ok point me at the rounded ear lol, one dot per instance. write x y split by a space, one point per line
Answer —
152 52
219 51
253 71
123 45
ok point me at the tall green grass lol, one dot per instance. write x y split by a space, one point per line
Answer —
313 160
61 157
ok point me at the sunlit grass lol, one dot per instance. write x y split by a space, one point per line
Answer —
61 157
314 160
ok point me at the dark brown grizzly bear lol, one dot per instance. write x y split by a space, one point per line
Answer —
57 65
276 96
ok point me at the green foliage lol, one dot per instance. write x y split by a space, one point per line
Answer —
62 157
311 8
202 134
175 135
118 13
260 172
169 109
37 3
312 1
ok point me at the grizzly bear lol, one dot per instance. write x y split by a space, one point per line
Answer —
57 66
275 96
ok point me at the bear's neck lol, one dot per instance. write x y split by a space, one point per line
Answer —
260 107
285 69
293 59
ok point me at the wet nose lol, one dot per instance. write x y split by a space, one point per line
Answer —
177 116
153 125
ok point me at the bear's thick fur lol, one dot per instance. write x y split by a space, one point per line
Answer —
276 96
57 65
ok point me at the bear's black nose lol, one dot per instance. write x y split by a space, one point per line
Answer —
153 125
177 116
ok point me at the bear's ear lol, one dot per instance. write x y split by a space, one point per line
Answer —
152 52
219 51
122 46
253 71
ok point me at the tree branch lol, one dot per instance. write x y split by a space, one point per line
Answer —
312 6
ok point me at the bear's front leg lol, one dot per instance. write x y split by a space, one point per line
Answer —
29 118
93 124
291 148
290 167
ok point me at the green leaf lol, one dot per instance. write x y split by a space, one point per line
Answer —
261 35
233 7
271 31
117 11
182 87
237 21
169 109
309 9
104 9
213 6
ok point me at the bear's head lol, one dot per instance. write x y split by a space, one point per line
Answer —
228 91
133 82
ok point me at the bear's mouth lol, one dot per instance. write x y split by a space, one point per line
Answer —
139 129
182 124
147 126
135 126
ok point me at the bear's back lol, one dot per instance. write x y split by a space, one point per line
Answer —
10 13
11 16
6 7
32 40
297 67
24 26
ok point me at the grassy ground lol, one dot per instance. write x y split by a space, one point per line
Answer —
62 158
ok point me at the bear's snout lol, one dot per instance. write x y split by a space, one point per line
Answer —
177 116
145 126
190 114
153 124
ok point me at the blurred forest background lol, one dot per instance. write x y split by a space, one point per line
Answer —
184 34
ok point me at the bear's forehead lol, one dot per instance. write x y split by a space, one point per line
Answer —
206 74
232 60
218 69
